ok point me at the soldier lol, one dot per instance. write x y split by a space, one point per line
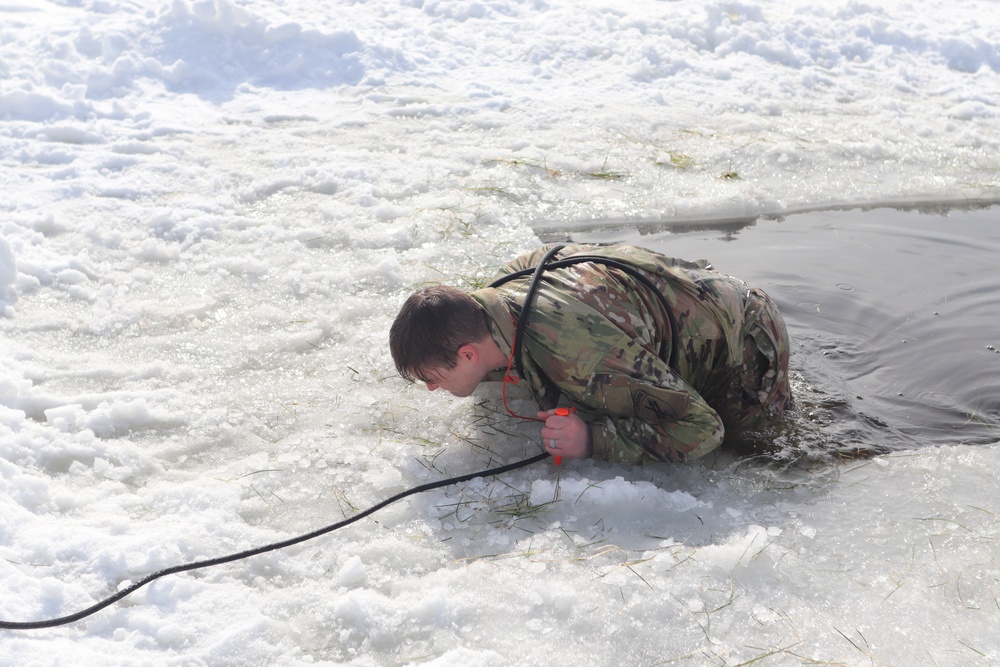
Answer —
661 359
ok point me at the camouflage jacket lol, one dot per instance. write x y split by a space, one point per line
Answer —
599 340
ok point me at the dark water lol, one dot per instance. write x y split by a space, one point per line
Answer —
894 318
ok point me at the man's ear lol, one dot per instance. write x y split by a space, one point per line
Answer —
468 352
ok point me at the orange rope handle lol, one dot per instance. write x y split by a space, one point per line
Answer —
562 412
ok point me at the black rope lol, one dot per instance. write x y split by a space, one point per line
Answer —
522 320
64 620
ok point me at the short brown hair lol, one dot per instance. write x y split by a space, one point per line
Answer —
432 325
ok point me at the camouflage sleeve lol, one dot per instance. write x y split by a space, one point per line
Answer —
651 415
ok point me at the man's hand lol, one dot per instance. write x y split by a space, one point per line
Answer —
566 435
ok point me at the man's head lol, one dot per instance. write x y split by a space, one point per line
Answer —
433 329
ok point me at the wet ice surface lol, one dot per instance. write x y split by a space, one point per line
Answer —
190 436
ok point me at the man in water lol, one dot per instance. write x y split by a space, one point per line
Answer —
659 359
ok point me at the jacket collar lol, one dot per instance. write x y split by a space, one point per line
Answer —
501 320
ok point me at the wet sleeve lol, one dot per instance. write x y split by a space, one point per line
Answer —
642 411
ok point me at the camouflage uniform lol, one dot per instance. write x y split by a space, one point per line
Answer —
598 339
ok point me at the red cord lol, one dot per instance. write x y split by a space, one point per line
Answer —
507 377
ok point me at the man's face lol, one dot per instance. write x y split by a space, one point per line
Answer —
459 381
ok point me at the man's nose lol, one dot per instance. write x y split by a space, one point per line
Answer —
431 386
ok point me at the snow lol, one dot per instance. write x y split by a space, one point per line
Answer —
212 211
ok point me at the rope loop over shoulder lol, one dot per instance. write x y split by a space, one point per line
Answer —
536 274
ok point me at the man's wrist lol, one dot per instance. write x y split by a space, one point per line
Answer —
598 443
